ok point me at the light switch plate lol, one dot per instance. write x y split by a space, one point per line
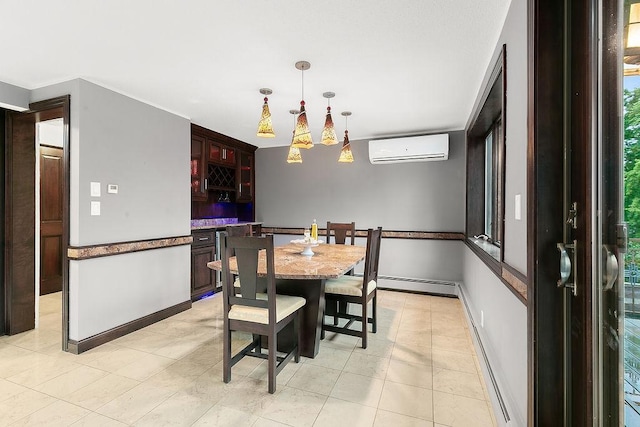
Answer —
112 188
95 189
95 208
518 207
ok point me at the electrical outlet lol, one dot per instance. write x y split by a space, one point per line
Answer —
481 319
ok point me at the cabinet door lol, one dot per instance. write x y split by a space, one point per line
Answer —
198 169
245 177
202 277
219 153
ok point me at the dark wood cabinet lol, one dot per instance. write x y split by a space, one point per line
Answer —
222 176
221 154
199 171
245 176
203 250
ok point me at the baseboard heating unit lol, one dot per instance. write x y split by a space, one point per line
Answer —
440 287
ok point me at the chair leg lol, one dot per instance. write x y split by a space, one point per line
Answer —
322 328
364 322
271 360
338 309
226 357
298 333
374 312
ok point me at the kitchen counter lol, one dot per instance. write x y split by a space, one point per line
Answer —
213 223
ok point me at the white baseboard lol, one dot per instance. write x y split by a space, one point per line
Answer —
503 416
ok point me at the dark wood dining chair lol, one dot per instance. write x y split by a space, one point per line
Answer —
356 290
254 312
341 230
238 231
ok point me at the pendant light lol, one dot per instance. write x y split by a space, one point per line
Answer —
294 155
346 156
329 132
302 136
265 127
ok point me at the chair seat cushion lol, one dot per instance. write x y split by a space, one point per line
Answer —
285 305
348 285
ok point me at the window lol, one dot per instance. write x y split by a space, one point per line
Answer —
488 185
485 168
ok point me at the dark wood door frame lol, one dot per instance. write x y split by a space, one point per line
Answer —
562 95
19 278
43 110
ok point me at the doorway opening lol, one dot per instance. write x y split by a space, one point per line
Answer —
49 230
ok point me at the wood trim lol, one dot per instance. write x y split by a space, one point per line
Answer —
483 119
19 220
515 284
517 274
502 155
545 109
491 262
3 297
388 234
60 107
219 137
78 253
515 281
77 347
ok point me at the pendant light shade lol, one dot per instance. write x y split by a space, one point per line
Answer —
346 156
265 127
329 132
633 31
302 136
294 155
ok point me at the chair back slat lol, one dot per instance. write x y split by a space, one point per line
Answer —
372 254
247 252
341 230
239 230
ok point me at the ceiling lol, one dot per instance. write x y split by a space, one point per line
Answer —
403 67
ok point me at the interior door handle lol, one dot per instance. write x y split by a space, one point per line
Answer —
567 266
611 268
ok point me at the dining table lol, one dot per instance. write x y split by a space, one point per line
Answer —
305 276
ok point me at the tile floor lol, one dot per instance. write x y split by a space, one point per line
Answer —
420 369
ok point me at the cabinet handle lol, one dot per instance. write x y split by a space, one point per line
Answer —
203 238
206 184
224 154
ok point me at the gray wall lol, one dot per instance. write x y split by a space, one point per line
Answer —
13 97
146 151
514 35
504 335
423 196
427 196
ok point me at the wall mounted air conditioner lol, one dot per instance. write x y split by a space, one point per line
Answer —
409 149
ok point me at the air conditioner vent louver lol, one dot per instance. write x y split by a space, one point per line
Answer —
409 149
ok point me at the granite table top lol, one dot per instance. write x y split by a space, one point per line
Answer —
329 262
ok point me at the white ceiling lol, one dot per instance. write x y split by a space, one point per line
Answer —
402 67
